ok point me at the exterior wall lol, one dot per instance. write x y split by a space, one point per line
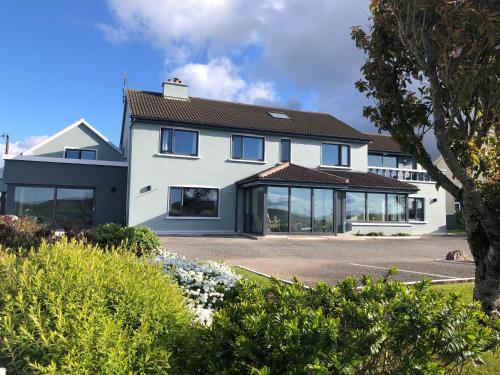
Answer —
213 168
78 137
434 214
109 183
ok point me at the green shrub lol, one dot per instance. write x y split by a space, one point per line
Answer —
140 239
22 233
401 234
70 308
386 327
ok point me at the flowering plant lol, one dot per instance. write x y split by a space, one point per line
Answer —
205 284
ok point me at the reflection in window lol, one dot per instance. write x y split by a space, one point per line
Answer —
300 210
396 207
323 210
73 153
285 150
416 209
335 155
74 206
256 210
247 148
194 202
355 206
375 207
277 209
181 142
37 202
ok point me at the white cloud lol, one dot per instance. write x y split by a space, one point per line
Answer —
221 79
15 148
298 44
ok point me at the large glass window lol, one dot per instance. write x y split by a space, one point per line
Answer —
70 206
323 210
277 209
300 210
285 150
385 161
416 209
73 153
37 202
256 210
74 206
407 162
355 206
247 148
194 202
181 142
396 207
375 206
335 155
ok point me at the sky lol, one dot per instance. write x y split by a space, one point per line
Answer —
64 60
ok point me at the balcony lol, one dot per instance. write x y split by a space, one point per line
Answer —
402 174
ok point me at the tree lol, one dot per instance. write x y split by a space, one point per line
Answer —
434 66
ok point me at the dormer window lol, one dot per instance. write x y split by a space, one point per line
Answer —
279 115
80 153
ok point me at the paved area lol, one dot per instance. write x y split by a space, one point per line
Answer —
313 260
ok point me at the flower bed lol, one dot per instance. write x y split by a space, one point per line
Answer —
205 284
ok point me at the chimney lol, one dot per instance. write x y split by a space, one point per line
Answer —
173 88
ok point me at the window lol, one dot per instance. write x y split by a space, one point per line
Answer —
256 210
407 162
355 206
194 202
285 150
300 210
335 155
416 209
282 116
277 209
179 142
323 210
245 147
396 207
375 207
74 153
457 205
391 161
55 205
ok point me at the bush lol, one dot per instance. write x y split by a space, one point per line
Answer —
70 309
385 327
401 234
22 233
141 240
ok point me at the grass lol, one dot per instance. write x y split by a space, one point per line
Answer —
456 231
464 290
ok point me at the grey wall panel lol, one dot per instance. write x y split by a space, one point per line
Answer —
109 182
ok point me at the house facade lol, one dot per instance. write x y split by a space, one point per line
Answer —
189 165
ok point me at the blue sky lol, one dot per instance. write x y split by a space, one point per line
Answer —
63 60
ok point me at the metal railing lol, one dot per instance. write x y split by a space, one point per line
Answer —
402 174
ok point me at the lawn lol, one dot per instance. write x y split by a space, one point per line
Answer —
463 289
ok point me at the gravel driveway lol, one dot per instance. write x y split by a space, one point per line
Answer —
312 260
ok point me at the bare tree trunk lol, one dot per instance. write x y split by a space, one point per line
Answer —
482 236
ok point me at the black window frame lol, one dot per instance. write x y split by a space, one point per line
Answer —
171 145
415 210
217 206
398 160
242 157
386 213
79 150
339 151
289 142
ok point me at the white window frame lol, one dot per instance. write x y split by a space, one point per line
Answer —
218 217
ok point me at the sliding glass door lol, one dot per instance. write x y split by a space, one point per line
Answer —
55 206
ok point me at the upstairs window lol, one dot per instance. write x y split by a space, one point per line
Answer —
391 161
84 154
335 155
179 142
246 147
285 150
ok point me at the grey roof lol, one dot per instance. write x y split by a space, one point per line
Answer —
154 106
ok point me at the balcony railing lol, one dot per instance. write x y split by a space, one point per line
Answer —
402 174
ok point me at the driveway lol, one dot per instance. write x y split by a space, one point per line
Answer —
330 260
